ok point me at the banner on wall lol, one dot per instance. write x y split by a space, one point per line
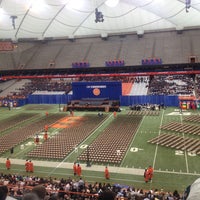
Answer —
108 90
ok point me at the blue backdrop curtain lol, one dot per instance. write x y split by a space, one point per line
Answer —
49 99
124 100
152 99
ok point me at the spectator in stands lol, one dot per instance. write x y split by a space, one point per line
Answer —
61 193
30 196
3 192
53 186
81 185
40 191
106 173
8 164
194 192
176 195
107 195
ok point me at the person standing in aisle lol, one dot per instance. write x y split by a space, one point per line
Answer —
27 166
79 170
106 173
150 171
31 167
75 169
8 164
146 175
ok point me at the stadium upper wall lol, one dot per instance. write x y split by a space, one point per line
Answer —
170 46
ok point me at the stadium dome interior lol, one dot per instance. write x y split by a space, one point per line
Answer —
40 19
101 83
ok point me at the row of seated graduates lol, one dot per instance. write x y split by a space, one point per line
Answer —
151 61
115 63
81 64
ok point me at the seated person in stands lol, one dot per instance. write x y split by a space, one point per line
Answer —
107 195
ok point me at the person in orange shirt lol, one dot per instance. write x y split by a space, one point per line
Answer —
46 127
8 164
146 175
106 173
74 168
27 166
150 171
115 114
31 168
79 170
45 136
47 114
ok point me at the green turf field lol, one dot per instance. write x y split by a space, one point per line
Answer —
173 169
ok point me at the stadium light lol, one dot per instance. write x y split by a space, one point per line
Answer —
13 18
187 5
99 16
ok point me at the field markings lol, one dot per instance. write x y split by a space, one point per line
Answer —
156 150
185 152
67 165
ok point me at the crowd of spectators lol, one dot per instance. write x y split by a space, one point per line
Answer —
123 79
172 85
197 83
77 188
141 79
157 85
46 85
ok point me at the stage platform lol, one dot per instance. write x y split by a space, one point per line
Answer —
100 104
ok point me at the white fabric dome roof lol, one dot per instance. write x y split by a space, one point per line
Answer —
76 18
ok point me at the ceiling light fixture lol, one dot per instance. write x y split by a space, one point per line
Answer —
112 3
187 5
99 16
13 18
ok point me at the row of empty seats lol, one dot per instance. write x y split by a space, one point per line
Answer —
180 143
68 139
172 48
144 112
23 133
182 128
192 118
15 120
111 145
